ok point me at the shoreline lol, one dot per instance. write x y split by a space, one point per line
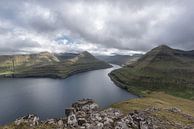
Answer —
53 76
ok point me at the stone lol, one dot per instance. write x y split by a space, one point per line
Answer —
72 121
60 123
143 125
36 120
86 114
51 121
80 114
81 121
85 105
121 125
95 117
108 121
94 106
100 125
30 119
175 110
69 111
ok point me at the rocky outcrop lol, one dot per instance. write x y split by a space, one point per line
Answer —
30 119
86 114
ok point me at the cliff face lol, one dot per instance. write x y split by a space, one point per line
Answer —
86 114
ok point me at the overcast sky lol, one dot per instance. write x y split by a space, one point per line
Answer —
98 26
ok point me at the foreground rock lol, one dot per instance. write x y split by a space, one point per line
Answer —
86 114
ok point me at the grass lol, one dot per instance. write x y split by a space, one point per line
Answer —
6 73
157 99
56 70
162 101
141 81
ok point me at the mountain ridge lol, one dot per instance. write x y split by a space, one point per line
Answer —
47 64
163 69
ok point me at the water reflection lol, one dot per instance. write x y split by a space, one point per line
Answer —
49 97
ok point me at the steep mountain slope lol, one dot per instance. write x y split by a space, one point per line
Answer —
120 59
9 63
163 68
48 65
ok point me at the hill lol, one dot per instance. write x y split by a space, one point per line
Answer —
120 59
47 64
161 69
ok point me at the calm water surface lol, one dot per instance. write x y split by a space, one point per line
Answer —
49 97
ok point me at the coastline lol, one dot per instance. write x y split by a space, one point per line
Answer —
54 76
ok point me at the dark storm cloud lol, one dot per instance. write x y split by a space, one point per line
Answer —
112 25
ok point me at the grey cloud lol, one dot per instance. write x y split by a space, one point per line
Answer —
125 24
18 46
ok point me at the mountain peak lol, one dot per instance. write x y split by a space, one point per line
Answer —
45 53
84 57
86 54
163 47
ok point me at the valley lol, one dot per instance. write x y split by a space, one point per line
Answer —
162 79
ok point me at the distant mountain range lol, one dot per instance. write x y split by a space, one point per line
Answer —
120 59
47 64
163 69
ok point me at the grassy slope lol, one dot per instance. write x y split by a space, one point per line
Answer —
48 65
173 75
141 83
162 101
61 70
162 69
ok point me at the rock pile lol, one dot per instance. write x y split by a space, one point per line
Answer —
86 114
30 119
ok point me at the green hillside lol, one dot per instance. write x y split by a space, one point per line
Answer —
48 65
161 69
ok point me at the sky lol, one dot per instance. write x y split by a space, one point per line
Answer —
98 26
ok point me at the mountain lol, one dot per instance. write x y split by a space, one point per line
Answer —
65 56
47 64
166 57
31 59
161 69
120 59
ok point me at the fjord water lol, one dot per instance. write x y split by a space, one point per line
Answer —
48 98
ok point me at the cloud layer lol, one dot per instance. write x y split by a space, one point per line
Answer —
98 26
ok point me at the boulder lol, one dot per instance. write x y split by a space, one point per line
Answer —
85 105
81 121
69 111
81 114
174 109
50 121
60 123
72 120
143 125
